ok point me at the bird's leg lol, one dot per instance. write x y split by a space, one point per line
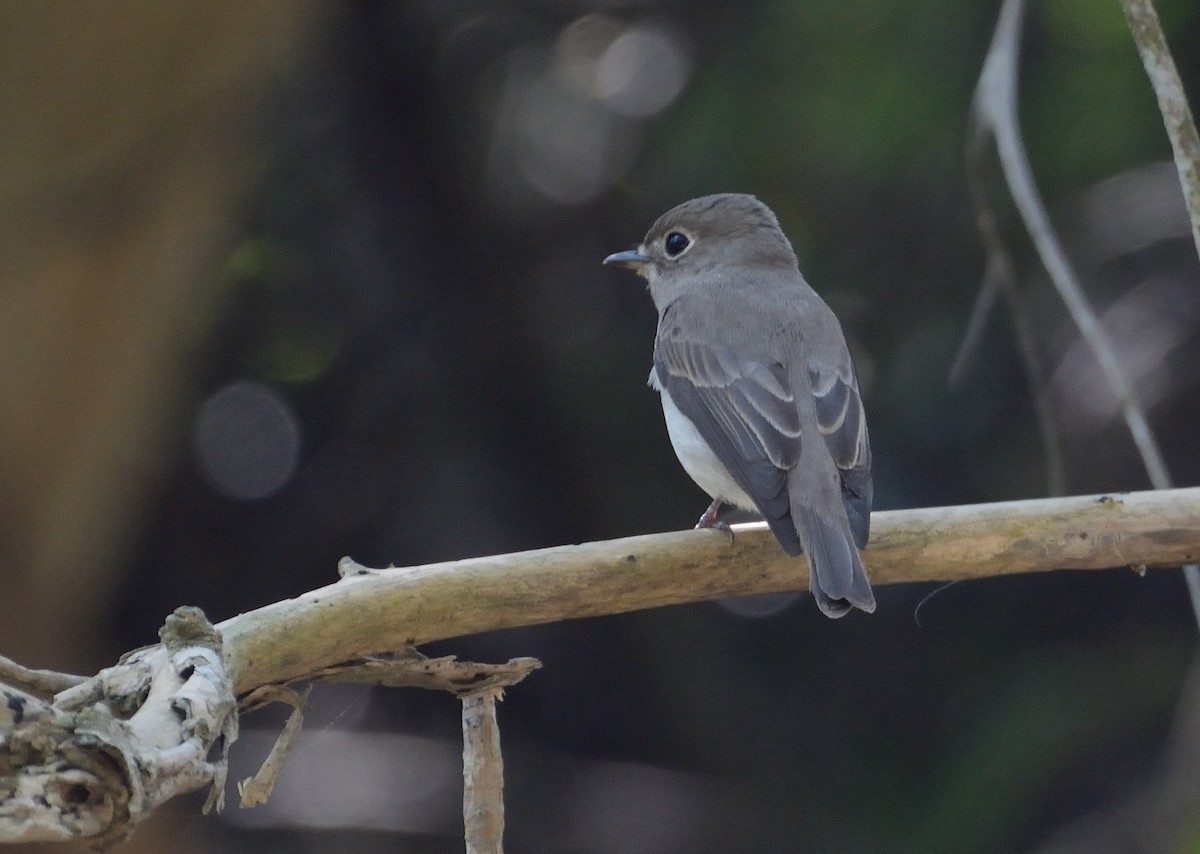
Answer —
708 519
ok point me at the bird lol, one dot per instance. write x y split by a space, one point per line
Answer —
759 390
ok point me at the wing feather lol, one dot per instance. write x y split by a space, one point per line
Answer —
842 422
746 412
746 415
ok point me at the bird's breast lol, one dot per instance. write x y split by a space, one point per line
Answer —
698 459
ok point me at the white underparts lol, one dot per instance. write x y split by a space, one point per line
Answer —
698 459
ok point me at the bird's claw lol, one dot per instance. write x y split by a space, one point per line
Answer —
708 519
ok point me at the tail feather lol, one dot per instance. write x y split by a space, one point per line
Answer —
838 580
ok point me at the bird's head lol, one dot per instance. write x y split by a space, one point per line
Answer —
702 239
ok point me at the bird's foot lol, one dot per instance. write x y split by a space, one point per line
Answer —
709 519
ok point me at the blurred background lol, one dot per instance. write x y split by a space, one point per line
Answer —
285 281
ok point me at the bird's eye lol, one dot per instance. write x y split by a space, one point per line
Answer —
675 243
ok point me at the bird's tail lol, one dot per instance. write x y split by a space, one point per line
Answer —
837 580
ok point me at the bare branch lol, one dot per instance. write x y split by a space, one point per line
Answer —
1001 278
1172 103
397 608
44 683
77 770
483 773
411 669
106 752
256 790
18 707
994 109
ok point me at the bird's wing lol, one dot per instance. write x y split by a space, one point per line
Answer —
745 411
841 420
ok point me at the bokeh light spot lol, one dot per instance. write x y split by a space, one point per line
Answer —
579 48
760 605
563 145
247 440
642 72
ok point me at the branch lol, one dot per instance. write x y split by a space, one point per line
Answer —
1000 277
994 110
372 610
1172 103
483 773
43 683
110 750
107 751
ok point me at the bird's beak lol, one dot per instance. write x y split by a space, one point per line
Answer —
630 258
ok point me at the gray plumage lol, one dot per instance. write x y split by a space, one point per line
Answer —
758 388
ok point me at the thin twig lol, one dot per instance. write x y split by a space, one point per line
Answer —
1185 142
43 683
411 669
483 773
1000 277
985 297
995 109
995 106
255 791
1172 103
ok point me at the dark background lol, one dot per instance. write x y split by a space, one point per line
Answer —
286 282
